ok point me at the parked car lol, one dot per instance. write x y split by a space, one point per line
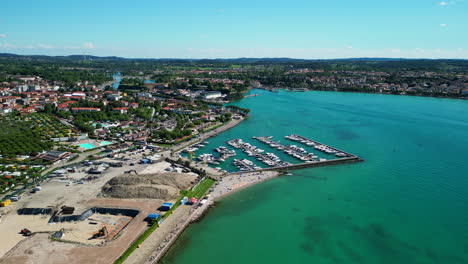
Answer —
15 198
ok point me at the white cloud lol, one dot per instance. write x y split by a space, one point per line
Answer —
7 46
443 3
443 25
88 45
45 46
3 36
232 52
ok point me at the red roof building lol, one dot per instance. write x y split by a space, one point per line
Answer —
122 110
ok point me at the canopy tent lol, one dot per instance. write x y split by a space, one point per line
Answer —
153 216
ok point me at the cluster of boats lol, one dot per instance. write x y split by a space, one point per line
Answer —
330 151
292 150
317 146
208 158
249 149
268 158
272 160
196 147
225 153
303 140
245 165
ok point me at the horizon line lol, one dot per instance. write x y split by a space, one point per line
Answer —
230 58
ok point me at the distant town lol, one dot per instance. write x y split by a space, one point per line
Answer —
63 104
127 129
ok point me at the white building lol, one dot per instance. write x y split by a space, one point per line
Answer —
114 97
212 95
21 88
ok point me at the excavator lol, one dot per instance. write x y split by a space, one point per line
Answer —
101 233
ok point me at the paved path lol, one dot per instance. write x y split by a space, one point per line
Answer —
160 236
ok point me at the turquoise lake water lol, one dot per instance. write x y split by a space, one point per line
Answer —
407 203
117 79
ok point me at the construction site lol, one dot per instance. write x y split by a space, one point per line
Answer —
75 216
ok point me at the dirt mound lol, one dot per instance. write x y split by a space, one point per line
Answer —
153 186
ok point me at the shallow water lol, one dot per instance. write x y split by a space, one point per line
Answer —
407 203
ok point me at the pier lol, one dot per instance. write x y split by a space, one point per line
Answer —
316 143
297 153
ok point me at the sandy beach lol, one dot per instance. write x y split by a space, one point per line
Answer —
236 182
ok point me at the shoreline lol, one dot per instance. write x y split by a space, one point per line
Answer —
221 190
295 90
261 177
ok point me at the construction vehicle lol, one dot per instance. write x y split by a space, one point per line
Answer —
102 233
5 203
25 232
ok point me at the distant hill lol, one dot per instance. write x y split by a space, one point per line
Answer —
376 64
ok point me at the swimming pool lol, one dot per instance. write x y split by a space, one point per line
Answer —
87 146
103 143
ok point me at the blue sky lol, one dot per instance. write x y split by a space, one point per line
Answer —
308 29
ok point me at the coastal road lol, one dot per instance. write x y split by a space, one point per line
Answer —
206 135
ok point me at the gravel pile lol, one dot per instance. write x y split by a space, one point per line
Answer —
152 186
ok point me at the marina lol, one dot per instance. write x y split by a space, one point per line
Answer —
274 156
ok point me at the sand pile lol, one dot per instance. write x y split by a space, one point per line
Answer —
153 186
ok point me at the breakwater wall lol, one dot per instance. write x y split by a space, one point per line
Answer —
306 165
